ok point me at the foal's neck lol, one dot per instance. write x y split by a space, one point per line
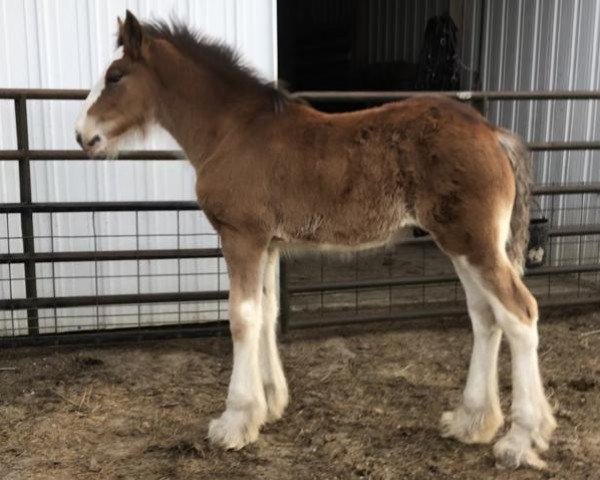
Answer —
197 109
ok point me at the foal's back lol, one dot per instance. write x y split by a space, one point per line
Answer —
356 179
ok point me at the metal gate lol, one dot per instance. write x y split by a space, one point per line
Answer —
408 281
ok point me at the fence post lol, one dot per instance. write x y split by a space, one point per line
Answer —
284 301
481 104
26 215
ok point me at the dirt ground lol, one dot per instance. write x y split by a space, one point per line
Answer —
365 404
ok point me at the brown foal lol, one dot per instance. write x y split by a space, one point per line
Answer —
274 173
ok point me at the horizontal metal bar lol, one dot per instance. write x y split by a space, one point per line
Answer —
565 231
407 314
566 189
170 155
431 312
574 230
98 206
562 270
191 205
101 256
554 146
93 300
80 94
43 93
59 155
80 155
380 96
372 283
163 254
425 280
112 336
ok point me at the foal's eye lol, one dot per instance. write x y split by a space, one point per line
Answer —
113 77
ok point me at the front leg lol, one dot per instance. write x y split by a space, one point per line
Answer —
246 405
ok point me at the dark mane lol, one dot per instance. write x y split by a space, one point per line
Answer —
219 58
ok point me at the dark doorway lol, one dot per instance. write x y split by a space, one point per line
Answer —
355 44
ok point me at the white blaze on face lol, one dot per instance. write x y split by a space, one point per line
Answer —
87 126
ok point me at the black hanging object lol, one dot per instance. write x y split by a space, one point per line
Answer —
438 60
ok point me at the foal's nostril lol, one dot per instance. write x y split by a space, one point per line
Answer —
95 139
79 139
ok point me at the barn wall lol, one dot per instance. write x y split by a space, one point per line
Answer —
546 45
66 44
470 43
396 28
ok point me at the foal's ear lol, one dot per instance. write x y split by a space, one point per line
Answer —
131 36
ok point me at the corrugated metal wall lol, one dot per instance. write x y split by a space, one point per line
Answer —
66 44
548 45
470 42
396 29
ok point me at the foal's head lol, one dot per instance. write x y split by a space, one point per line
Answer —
123 100
158 62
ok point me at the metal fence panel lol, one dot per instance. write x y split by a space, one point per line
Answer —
66 44
546 45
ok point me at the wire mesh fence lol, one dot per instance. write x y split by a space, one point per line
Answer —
417 280
172 251
93 270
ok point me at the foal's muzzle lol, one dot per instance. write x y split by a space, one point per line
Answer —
88 145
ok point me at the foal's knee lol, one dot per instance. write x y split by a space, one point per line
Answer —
245 320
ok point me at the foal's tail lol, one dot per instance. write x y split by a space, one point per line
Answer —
521 162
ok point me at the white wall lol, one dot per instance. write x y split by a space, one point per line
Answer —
66 44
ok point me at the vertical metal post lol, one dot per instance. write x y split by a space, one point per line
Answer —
284 300
26 215
481 104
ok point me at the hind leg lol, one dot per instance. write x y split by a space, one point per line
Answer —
515 311
532 418
479 416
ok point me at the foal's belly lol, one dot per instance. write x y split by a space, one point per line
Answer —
364 210
299 246
350 231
